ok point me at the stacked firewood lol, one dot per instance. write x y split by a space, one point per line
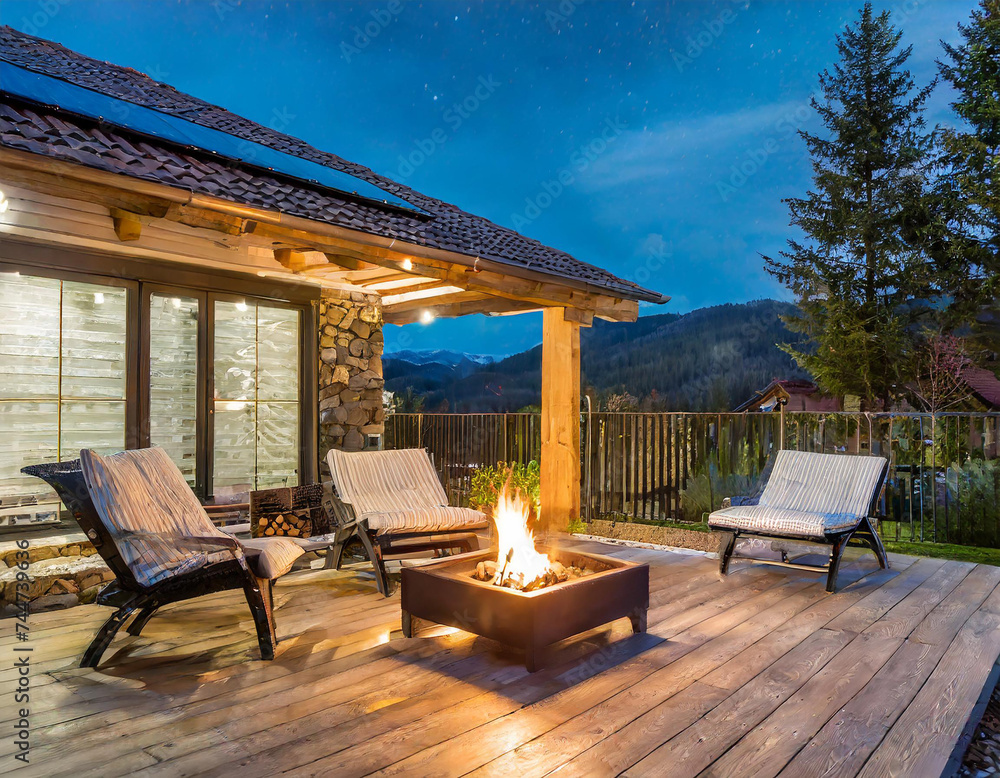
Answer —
293 511
293 524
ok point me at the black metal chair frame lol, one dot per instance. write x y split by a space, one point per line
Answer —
378 547
129 597
864 534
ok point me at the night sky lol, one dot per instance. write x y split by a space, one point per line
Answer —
695 104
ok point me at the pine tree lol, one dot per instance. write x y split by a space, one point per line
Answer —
859 274
965 204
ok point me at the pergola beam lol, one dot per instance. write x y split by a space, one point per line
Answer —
482 304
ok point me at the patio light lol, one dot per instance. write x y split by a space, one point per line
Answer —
4 202
426 317
406 264
99 298
241 305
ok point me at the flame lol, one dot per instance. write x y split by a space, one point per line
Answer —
517 560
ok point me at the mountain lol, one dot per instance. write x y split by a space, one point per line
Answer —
440 356
708 360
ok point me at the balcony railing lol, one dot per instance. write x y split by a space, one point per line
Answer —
943 486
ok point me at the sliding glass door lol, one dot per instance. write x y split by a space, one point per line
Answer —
213 379
63 381
174 352
256 393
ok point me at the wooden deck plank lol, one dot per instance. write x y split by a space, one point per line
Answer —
756 673
925 736
849 738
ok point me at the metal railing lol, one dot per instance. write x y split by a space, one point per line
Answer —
943 485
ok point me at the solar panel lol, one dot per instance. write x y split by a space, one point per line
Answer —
54 92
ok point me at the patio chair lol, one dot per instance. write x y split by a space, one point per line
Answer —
148 526
824 498
394 502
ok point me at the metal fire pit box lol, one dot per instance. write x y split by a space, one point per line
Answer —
446 593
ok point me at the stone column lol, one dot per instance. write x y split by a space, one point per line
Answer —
350 370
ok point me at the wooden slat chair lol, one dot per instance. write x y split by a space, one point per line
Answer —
395 503
148 526
824 498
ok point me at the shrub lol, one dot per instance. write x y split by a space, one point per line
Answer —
972 490
488 481
705 490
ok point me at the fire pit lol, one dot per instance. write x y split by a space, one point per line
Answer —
532 597
446 593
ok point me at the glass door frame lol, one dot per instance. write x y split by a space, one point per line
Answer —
308 400
140 277
131 399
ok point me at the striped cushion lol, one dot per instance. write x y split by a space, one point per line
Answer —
809 495
780 521
146 503
397 491
438 519
271 557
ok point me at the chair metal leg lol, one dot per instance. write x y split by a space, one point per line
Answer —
259 598
869 534
727 544
839 544
334 556
92 656
142 618
374 549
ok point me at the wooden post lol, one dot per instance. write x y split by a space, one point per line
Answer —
560 471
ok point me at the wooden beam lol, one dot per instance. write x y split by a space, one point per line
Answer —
207 220
487 305
421 305
583 318
426 296
346 262
292 259
127 224
513 286
560 466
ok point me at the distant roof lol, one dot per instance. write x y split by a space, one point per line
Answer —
789 385
983 384
38 127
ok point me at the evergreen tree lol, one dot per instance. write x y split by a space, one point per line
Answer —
965 204
859 274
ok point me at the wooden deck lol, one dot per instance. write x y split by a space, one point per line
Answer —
760 674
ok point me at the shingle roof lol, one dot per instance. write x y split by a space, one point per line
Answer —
42 130
984 384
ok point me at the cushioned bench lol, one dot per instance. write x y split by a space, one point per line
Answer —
396 503
825 498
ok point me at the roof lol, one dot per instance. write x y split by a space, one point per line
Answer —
983 384
790 386
46 130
